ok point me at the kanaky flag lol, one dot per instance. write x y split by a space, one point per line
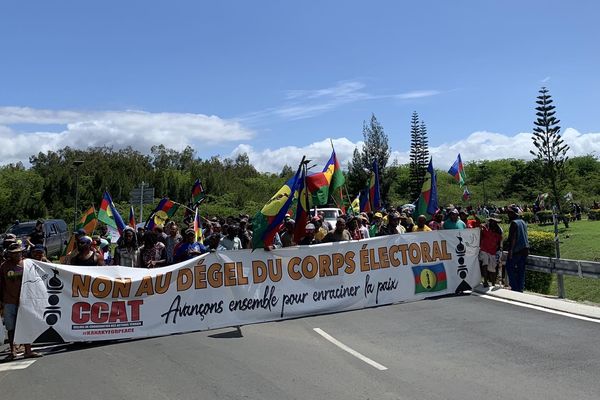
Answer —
427 204
109 214
198 228
374 191
266 222
457 170
365 204
88 223
164 210
430 278
466 194
301 209
197 191
131 222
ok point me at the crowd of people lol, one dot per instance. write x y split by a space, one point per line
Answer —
172 244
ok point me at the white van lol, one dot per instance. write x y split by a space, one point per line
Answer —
330 215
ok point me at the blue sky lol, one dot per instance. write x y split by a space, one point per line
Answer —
278 79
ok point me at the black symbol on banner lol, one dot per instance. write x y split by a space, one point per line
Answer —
52 313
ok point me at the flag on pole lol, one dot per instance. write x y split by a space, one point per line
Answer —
164 210
302 208
87 222
197 191
374 192
109 215
457 170
267 221
365 204
466 194
427 204
198 227
131 222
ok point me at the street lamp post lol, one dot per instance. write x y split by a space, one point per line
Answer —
76 164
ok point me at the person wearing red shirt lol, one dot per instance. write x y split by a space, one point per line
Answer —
490 243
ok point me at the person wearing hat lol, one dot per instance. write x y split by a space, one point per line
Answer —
287 236
393 226
363 221
86 256
189 247
309 237
421 224
490 242
518 249
339 234
453 222
11 276
127 253
376 224
320 230
406 222
39 253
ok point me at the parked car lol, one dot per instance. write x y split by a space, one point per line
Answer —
330 215
55 232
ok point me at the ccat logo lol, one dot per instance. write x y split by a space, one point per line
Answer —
115 314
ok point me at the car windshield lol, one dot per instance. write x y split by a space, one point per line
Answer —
330 214
21 229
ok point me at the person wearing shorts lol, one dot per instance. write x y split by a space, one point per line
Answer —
11 275
490 243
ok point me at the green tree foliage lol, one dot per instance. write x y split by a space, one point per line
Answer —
415 176
551 150
375 147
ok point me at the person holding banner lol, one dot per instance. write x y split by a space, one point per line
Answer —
11 276
86 256
127 252
189 248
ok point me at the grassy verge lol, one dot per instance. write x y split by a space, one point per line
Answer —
581 241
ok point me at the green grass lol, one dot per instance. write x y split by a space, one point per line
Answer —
581 241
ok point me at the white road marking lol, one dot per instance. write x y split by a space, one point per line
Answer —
544 309
349 350
15 365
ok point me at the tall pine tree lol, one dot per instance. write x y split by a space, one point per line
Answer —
424 156
376 147
550 148
415 176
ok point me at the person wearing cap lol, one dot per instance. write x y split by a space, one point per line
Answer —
320 230
11 276
9 239
393 226
406 222
453 222
518 249
421 225
309 237
362 221
189 247
436 222
231 241
339 234
127 253
39 253
86 256
287 236
490 242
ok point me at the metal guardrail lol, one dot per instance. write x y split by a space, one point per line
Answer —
561 267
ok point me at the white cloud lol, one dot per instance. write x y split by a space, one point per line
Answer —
546 79
477 146
119 129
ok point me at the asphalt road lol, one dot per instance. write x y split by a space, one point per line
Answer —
450 348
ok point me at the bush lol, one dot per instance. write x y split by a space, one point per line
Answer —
540 244
544 216
594 215
528 217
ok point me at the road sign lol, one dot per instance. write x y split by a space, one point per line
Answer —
142 196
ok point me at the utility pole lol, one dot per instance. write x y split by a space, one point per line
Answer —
76 164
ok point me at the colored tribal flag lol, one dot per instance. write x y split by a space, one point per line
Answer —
197 192
198 227
164 210
364 203
466 194
430 278
88 223
131 222
457 170
109 214
266 222
355 206
427 204
374 192
326 182
302 208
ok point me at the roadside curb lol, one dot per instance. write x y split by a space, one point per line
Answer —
555 304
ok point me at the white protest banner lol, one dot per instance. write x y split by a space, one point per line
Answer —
228 288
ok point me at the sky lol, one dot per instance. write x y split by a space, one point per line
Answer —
279 80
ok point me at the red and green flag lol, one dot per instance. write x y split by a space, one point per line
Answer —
87 222
109 215
457 170
131 221
164 210
197 191
321 184
430 278
302 208
198 227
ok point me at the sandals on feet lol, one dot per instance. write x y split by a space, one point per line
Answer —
33 354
